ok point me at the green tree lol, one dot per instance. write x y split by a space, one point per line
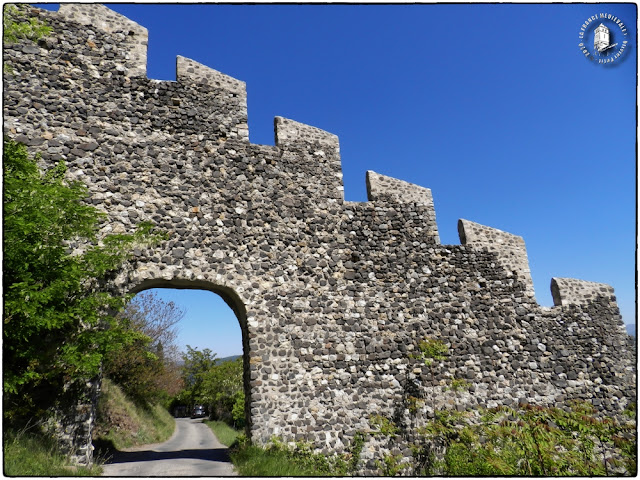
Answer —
237 411
147 367
196 365
222 389
157 319
55 269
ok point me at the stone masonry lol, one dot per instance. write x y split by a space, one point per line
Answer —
332 296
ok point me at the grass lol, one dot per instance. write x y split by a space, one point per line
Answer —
30 454
253 461
123 423
226 434
277 459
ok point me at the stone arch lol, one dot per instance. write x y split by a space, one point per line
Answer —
234 302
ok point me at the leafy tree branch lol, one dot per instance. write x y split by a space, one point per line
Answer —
56 327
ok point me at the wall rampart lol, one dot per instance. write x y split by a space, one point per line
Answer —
132 39
511 249
387 189
571 291
334 295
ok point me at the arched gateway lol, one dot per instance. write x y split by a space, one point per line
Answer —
332 296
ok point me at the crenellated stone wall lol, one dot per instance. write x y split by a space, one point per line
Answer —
382 188
571 291
332 296
510 249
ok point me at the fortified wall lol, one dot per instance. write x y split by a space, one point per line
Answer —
332 296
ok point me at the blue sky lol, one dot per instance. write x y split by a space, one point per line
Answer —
493 107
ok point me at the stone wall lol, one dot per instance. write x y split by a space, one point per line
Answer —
332 296
510 249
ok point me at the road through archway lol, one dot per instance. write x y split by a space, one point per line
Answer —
192 451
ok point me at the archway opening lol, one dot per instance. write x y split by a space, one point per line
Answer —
199 334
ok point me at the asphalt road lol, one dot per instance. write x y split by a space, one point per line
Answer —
192 450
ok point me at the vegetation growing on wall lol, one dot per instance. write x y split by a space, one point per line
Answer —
16 26
531 441
294 459
527 440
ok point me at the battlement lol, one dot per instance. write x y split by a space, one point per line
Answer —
571 291
291 133
211 101
380 186
131 36
313 155
511 249
383 188
191 72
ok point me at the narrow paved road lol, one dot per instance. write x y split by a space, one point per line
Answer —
193 450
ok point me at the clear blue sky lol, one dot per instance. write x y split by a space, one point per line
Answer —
494 107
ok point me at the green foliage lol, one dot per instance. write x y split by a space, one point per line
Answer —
222 388
525 441
219 385
384 426
299 459
253 461
16 26
444 424
353 457
531 440
414 404
224 433
302 453
194 370
146 368
237 411
390 465
135 367
429 350
29 454
55 326
458 384
630 410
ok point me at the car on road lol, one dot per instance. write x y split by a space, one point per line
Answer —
198 412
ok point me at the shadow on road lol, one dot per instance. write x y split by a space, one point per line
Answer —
211 454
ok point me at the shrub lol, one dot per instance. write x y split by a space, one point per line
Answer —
55 328
532 440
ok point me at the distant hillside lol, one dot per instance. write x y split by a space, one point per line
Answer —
180 361
631 329
228 359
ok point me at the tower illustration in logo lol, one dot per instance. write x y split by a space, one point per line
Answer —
601 39
605 28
